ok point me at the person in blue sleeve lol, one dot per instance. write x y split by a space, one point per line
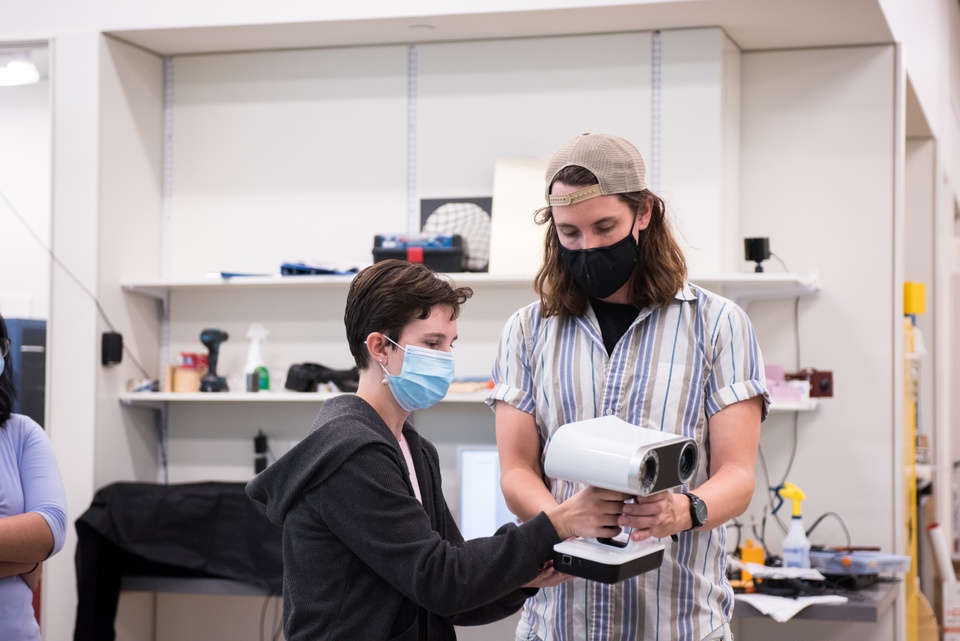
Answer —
33 511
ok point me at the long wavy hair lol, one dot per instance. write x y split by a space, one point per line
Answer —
8 387
659 274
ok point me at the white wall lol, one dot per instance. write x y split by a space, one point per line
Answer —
277 154
303 126
818 180
699 141
930 35
482 101
73 330
129 233
25 186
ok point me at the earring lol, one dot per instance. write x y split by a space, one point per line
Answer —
384 381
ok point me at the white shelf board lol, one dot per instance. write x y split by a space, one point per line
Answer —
154 399
799 406
159 288
738 286
148 398
745 287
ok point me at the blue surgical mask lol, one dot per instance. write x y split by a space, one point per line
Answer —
424 378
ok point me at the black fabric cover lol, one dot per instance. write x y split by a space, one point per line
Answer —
210 530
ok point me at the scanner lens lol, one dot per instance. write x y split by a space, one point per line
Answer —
648 472
688 462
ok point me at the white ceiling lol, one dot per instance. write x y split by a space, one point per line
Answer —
751 24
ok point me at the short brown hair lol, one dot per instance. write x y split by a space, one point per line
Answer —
659 274
386 296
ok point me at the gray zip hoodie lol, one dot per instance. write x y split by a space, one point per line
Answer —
363 559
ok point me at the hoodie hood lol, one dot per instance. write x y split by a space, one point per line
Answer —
345 424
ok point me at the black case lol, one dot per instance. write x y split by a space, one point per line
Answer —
441 259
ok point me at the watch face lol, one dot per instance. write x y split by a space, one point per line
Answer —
698 510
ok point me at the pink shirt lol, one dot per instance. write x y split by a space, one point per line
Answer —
405 448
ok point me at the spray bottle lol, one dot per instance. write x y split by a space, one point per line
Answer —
257 374
796 546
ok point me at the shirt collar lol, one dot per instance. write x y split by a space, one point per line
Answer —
685 293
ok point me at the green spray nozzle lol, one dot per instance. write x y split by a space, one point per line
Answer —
791 492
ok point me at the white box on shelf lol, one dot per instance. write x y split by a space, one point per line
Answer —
950 618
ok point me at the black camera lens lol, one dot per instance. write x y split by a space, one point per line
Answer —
688 462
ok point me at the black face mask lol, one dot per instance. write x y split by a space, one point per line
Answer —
601 271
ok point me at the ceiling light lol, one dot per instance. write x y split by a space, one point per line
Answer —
17 68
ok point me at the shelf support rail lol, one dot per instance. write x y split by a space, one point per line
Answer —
163 437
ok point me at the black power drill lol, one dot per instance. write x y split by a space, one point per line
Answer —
210 381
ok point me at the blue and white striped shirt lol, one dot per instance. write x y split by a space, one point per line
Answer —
672 370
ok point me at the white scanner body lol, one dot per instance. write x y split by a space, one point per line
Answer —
610 453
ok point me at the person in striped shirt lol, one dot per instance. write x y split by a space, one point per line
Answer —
619 331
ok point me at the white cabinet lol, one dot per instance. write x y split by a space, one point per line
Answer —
210 433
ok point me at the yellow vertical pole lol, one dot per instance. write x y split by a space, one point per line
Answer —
913 303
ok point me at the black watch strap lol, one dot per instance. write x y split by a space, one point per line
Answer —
698 510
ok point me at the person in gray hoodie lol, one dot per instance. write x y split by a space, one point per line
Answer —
370 549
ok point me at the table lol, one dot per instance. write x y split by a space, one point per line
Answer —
865 605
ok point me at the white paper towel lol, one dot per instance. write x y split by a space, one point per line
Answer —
941 553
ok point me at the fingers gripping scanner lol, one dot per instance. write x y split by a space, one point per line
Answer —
610 453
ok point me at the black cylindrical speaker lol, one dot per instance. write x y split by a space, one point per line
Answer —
111 348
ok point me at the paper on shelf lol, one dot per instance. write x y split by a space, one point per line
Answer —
783 609
768 572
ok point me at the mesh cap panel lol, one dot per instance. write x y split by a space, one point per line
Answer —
615 162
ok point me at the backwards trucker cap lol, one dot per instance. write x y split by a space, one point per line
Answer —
614 161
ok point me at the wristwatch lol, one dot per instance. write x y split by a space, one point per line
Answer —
698 510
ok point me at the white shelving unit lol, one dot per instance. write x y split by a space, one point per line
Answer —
160 289
742 288
808 405
154 399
